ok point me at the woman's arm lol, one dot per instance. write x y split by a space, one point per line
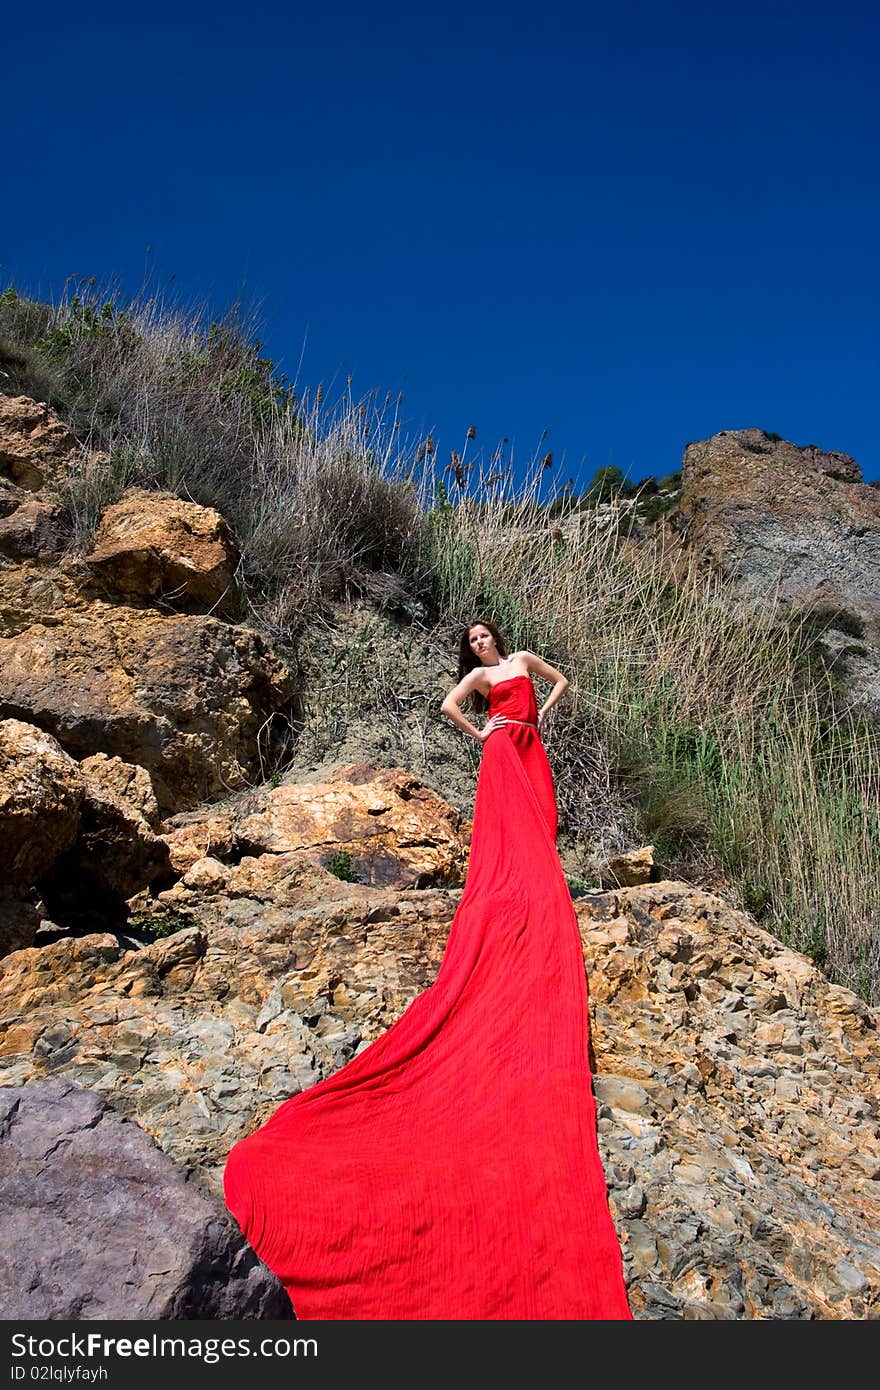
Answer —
450 707
550 673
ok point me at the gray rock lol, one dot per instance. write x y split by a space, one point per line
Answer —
98 1223
632 1202
850 1277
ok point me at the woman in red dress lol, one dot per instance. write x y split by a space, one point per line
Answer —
451 1169
483 667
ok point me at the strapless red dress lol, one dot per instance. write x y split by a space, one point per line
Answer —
451 1170
515 699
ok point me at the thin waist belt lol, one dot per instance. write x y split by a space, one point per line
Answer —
527 723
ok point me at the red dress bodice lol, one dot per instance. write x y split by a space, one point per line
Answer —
515 698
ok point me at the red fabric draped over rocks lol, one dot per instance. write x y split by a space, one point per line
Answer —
451 1170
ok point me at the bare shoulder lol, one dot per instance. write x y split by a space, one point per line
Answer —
537 665
522 658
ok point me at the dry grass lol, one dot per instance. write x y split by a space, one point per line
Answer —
334 510
317 495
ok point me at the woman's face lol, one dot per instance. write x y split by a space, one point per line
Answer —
482 644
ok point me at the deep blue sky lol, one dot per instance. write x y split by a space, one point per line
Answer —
630 225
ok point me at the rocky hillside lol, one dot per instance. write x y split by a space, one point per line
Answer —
188 937
797 522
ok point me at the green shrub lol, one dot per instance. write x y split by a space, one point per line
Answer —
341 866
606 483
161 923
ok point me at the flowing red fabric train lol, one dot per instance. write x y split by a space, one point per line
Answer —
451 1170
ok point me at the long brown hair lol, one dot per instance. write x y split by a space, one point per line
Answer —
467 659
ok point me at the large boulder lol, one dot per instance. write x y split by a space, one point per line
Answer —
798 524
782 516
376 825
190 698
202 705
153 545
99 1224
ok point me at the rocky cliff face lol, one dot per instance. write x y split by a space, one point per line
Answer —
186 943
799 523
121 652
738 1091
